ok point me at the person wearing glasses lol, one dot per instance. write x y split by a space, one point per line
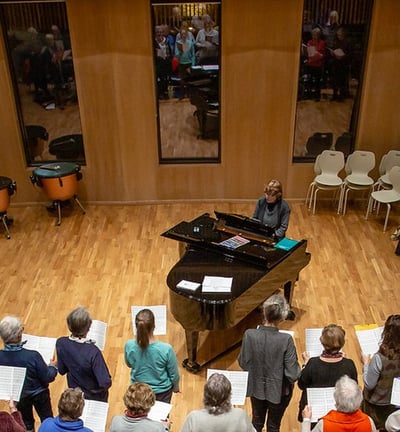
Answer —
272 210
35 391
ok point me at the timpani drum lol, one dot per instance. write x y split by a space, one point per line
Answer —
7 188
59 180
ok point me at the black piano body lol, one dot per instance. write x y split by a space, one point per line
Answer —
258 269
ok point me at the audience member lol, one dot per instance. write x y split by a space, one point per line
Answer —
11 422
217 414
196 24
35 391
325 370
81 359
190 36
315 63
70 408
184 51
152 362
339 65
163 59
330 27
272 210
378 373
271 360
138 399
207 43
347 416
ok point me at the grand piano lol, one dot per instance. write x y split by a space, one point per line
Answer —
260 266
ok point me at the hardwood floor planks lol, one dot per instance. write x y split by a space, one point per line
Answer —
114 257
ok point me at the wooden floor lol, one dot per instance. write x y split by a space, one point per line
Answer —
114 257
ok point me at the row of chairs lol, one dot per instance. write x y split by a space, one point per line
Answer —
329 164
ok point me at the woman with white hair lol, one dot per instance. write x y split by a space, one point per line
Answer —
347 416
35 391
270 358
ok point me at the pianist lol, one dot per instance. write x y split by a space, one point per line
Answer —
272 210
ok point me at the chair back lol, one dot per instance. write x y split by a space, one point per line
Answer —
388 161
394 176
360 162
331 162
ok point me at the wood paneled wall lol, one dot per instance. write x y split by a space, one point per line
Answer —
114 70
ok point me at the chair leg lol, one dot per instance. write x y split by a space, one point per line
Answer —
4 220
315 200
369 207
387 216
345 198
79 204
309 195
341 197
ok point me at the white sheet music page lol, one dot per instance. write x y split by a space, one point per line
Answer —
395 397
159 411
217 284
160 316
94 415
313 346
43 345
321 401
11 382
369 337
97 333
238 381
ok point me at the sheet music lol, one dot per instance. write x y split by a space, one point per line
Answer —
369 337
321 401
160 317
159 411
188 285
395 397
43 345
97 333
314 347
217 284
11 382
234 242
94 415
238 381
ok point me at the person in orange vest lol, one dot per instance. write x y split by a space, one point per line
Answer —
347 417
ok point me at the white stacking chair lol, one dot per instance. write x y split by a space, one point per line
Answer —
388 161
358 166
386 196
327 167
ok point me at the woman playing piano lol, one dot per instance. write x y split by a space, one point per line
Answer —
272 210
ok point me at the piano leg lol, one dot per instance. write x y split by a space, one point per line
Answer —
190 363
288 293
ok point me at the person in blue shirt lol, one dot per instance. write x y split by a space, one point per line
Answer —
81 359
70 408
35 391
152 362
272 210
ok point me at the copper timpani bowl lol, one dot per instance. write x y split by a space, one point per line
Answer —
7 188
58 180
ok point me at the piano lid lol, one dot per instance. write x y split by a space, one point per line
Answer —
211 234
